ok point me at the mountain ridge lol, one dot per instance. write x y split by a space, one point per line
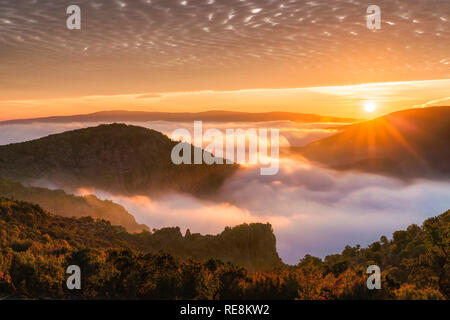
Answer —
86 232
118 158
408 144
212 115
63 204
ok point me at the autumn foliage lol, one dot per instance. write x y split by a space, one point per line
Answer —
36 247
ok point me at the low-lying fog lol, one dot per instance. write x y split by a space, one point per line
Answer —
312 210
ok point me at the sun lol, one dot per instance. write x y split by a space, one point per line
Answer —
370 106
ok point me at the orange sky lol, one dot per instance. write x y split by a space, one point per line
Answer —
345 101
256 56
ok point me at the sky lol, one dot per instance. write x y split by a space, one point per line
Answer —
196 55
312 210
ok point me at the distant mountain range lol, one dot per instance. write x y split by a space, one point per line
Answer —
215 116
412 143
118 158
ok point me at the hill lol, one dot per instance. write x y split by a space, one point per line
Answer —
60 203
410 144
36 247
117 158
252 246
216 116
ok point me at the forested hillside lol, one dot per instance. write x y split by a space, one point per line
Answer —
408 144
63 204
36 248
117 158
251 245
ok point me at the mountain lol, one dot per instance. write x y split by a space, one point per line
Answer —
249 245
60 203
216 116
409 144
118 158
36 248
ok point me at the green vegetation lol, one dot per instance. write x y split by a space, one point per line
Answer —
117 158
36 248
60 203
24 222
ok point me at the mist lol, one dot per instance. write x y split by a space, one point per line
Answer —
291 133
313 210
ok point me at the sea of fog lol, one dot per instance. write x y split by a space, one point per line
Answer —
312 210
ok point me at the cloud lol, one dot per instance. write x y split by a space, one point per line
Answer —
184 211
161 44
313 210
292 134
436 102
149 96
327 210
24 132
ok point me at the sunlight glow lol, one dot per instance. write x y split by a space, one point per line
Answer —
370 106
